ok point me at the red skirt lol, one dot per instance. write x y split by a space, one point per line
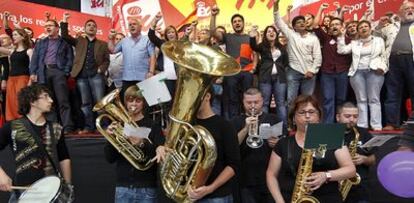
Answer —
14 85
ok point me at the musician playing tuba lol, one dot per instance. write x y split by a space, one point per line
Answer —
133 185
316 181
348 113
218 184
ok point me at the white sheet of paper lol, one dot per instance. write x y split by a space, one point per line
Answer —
140 132
169 69
266 131
154 89
377 141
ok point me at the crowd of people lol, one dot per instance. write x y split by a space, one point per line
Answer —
280 71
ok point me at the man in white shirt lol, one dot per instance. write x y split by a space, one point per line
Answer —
304 52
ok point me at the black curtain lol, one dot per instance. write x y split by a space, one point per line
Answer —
65 4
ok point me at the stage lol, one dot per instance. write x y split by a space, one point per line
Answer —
94 178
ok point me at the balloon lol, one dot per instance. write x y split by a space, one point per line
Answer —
396 173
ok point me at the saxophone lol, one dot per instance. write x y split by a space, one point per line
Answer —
301 194
193 147
345 185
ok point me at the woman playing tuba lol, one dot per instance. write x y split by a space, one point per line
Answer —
316 181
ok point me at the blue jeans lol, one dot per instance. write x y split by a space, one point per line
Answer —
334 92
279 91
225 199
297 80
401 72
135 195
233 87
91 89
367 87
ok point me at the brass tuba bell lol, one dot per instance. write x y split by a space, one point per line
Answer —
193 147
115 111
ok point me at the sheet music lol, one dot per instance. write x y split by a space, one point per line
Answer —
377 141
266 131
140 132
154 89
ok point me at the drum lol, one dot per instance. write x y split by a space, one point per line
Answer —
44 190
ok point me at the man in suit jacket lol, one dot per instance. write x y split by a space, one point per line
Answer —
51 64
90 64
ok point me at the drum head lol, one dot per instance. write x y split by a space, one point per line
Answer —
42 191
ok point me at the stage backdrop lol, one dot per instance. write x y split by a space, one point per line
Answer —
181 12
33 15
256 12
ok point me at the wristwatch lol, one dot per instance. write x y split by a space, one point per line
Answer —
328 176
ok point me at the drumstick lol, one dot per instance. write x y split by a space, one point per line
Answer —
19 188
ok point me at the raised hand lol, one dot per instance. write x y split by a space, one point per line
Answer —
324 6
253 31
112 34
66 16
215 10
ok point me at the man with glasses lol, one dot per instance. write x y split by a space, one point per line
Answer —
51 64
30 138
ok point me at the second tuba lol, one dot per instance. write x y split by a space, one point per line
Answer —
115 111
193 151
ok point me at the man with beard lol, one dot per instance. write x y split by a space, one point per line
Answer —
90 64
401 68
304 53
347 113
237 46
51 64
138 55
334 69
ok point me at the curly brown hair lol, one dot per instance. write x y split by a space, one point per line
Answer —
30 94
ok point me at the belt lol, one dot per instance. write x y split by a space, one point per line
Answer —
51 65
399 53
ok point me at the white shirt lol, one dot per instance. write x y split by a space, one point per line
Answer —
304 51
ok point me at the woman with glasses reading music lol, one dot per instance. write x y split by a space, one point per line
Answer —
283 166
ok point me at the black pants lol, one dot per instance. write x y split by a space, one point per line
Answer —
56 81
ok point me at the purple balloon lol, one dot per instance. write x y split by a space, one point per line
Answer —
396 173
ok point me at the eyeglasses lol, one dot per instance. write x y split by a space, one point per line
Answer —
44 96
310 112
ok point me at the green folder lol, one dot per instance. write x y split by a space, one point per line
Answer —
328 136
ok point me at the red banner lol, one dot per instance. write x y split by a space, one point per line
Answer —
33 16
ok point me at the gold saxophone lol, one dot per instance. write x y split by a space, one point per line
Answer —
193 147
345 185
301 193
115 111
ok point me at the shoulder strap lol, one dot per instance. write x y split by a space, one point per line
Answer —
38 141
290 152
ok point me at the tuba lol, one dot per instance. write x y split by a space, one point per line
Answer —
115 111
301 193
345 185
193 151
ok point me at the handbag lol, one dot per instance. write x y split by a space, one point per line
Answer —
66 194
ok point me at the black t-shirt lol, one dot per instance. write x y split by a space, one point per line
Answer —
359 192
128 175
38 170
290 153
254 161
228 153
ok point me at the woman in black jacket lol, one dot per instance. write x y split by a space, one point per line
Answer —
272 76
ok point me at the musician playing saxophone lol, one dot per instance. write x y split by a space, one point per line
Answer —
283 165
254 161
134 185
348 113
218 187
